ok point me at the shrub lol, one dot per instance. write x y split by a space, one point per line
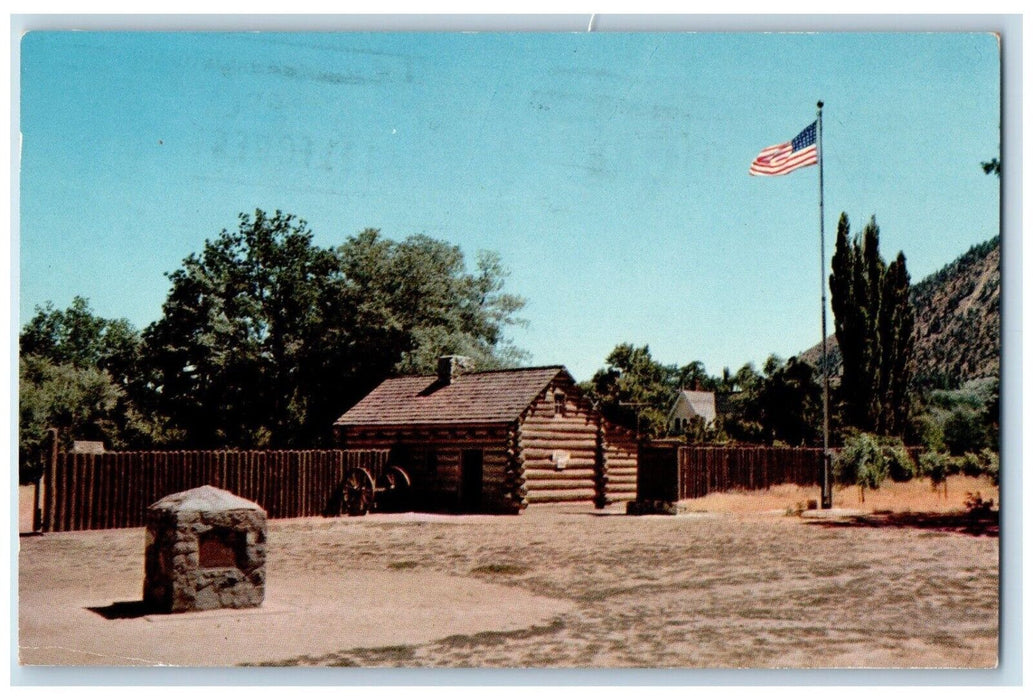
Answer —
899 463
844 465
990 462
872 472
860 462
963 431
954 464
970 465
929 433
935 465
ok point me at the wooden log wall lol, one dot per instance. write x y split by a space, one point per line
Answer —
708 469
547 431
114 489
515 486
602 477
433 459
621 463
497 485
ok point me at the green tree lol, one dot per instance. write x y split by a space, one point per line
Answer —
959 420
78 337
868 278
747 378
790 403
635 390
240 322
936 466
898 462
82 374
782 404
694 376
964 431
897 339
874 324
991 416
849 311
861 462
266 337
742 415
79 402
990 462
420 293
82 403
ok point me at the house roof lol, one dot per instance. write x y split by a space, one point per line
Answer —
699 403
497 396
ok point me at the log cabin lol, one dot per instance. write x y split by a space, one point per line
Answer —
494 441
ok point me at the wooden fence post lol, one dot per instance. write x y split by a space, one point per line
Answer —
113 489
42 518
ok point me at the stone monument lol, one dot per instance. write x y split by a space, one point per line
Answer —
205 550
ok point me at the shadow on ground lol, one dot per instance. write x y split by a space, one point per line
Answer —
976 524
124 610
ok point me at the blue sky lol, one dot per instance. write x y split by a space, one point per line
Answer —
608 170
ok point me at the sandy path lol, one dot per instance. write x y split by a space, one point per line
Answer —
555 587
316 608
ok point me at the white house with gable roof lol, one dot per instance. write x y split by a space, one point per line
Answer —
690 406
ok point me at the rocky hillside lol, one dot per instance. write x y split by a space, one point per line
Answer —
957 321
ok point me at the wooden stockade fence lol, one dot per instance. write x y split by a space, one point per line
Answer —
703 470
114 489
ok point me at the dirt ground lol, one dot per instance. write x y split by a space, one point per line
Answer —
733 581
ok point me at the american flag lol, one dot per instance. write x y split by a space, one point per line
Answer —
783 158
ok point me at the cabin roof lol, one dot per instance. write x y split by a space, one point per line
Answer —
497 396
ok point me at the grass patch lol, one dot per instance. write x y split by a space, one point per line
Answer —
304 660
388 655
395 655
402 565
493 639
413 656
501 569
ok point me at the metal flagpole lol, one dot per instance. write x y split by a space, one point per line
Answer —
826 487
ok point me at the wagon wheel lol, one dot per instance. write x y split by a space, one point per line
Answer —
396 478
358 492
395 483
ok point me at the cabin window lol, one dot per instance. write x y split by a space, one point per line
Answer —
431 463
560 403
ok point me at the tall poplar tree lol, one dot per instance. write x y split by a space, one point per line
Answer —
897 326
850 309
874 324
869 277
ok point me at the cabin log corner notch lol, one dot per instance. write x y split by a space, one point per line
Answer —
495 441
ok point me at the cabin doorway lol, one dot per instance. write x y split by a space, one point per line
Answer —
471 483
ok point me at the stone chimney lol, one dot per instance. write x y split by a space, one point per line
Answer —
451 366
